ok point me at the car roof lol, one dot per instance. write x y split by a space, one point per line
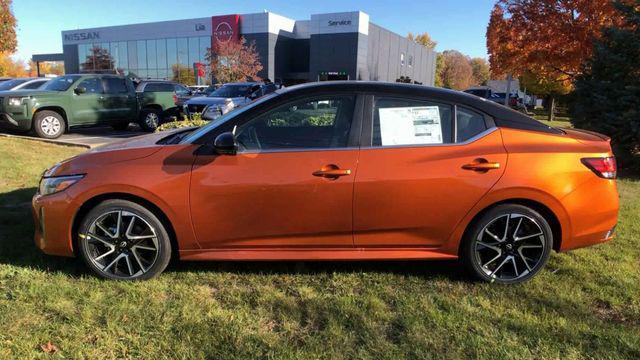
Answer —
502 115
243 83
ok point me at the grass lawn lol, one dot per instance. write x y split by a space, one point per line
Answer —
584 304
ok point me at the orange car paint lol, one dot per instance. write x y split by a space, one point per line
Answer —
396 203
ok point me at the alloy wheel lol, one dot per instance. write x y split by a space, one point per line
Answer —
151 120
50 125
510 247
121 244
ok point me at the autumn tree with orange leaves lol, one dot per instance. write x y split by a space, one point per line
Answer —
547 40
233 61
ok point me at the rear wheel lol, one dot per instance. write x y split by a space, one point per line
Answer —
48 124
122 240
509 244
149 119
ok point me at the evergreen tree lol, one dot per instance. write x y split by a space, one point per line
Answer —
607 94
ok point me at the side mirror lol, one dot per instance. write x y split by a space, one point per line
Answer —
225 144
80 90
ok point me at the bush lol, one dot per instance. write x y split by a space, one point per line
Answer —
196 120
607 95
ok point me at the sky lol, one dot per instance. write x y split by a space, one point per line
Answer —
454 24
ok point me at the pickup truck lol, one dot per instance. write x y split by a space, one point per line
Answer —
83 100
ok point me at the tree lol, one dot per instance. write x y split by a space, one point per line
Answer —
439 67
480 70
423 39
46 68
233 61
456 73
183 74
548 39
607 94
8 40
10 67
99 60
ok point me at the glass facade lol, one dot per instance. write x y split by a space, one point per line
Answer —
165 59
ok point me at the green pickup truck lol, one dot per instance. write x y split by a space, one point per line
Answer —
85 100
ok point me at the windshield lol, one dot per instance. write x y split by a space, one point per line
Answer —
224 118
232 91
61 83
8 85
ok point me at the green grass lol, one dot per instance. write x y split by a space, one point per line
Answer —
584 304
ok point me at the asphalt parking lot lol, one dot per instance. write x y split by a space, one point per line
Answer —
90 137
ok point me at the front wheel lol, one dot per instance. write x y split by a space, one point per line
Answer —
122 240
48 124
149 119
509 244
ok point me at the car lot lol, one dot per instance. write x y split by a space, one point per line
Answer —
88 137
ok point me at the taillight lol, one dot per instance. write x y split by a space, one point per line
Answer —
175 99
604 167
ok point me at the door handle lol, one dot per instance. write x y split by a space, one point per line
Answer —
481 165
331 172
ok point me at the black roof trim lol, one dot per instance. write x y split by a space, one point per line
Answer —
502 115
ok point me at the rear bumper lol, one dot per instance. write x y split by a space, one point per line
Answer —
593 212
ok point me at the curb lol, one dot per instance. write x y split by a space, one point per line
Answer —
50 141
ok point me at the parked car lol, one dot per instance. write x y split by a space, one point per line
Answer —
82 100
170 95
226 98
23 84
198 89
337 171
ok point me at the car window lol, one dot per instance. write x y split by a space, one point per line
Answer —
181 90
468 124
399 121
8 85
92 85
158 87
34 84
232 91
61 83
114 85
304 124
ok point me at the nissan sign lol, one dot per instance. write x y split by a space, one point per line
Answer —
81 36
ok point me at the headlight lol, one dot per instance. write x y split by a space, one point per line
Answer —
212 112
56 184
15 101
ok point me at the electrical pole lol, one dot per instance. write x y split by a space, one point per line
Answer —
507 95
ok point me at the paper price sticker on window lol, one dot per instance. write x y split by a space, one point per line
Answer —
410 125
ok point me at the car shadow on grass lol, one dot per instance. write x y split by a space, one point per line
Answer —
17 248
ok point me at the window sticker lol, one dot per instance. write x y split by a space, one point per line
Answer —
410 125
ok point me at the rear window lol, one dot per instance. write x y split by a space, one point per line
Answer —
113 85
159 87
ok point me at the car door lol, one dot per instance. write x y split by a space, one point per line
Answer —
290 184
426 164
118 102
88 102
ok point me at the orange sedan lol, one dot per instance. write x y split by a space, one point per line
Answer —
337 171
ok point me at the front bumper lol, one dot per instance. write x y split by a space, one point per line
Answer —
15 121
53 223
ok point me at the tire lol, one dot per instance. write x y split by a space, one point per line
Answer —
149 119
137 250
508 244
121 126
49 124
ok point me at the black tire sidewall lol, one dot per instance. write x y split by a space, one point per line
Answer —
468 251
164 244
143 116
37 120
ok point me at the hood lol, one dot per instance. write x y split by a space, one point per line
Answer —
209 100
125 150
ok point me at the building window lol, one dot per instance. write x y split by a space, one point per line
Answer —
401 59
410 60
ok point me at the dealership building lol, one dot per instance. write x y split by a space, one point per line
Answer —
332 46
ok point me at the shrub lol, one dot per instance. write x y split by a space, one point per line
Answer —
196 120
